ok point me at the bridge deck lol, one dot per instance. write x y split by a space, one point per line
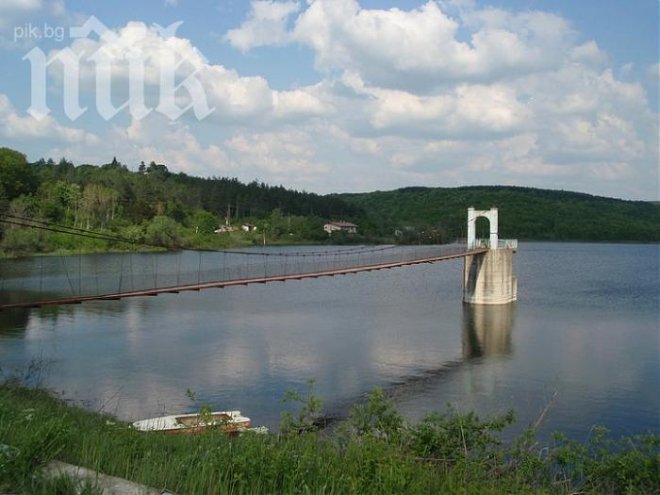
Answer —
245 281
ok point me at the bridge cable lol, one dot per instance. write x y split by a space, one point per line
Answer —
347 252
38 224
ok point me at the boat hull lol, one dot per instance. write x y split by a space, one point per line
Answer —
230 422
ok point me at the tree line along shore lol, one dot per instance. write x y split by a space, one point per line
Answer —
147 206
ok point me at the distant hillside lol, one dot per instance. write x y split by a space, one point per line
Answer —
525 213
47 206
156 207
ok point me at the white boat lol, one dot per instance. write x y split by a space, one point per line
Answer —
231 422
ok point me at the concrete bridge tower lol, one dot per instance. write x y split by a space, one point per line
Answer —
488 277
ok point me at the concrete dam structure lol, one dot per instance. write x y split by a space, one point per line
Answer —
488 277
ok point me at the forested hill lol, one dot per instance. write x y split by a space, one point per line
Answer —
149 191
153 190
524 213
154 206
150 205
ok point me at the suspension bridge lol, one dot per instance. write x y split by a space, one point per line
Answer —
150 274
48 281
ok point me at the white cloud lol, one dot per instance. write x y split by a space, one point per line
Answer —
153 138
420 49
284 156
358 145
24 128
174 144
13 14
466 110
298 103
611 171
601 138
583 117
233 98
58 8
588 54
278 154
447 93
19 5
265 25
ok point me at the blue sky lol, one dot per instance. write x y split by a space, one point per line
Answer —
349 95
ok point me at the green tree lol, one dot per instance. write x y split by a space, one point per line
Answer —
4 203
163 231
16 176
59 201
377 417
204 222
308 417
98 205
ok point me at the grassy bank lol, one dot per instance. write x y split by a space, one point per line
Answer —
373 452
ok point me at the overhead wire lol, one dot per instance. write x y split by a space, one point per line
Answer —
90 234
348 251
62 229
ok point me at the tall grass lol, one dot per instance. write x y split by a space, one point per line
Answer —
374 451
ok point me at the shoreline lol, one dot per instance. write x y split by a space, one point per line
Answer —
5 256
372 453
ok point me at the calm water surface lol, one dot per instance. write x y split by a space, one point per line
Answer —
585 331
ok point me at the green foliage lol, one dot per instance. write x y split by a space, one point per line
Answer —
133 233
4 202
203 410
98 205
16 177
43 438
429 457
22 241
136 203
524 213
162 231
604 465
204 222
113 197
62 485
307 419
451 435
377 417
60 201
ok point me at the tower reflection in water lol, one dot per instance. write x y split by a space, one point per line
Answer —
487 329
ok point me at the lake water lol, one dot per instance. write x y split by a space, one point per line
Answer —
583 336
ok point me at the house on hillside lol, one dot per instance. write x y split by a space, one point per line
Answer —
248 227
349 227
224 229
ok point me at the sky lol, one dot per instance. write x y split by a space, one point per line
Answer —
342 95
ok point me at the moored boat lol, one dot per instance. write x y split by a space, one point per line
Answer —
231 422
